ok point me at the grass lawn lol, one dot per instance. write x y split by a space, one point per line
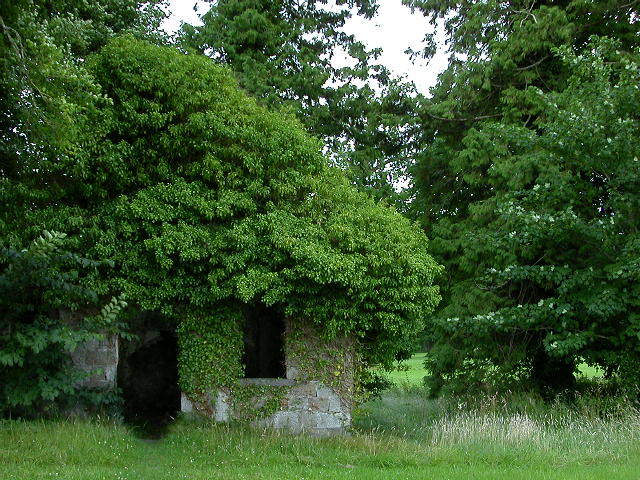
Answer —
415 371
413 374
402 435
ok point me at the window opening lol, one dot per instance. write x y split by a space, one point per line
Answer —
264 342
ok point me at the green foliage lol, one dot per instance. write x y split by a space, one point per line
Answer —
345 263
209 353
491 133
251 402
551 255
46 94
335 364
40 289
206 202
284 53
498 51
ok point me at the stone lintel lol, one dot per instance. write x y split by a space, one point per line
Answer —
269 382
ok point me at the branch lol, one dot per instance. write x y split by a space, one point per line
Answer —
471 119
627 5
527 14
16 43
533 65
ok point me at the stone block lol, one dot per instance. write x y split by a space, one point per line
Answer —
99 352
269 382
292 372
328 421
111 374
335 404
185 404
222 407
100 355
309 420
295 402
318 420
344 417
286 420
325 392
319 404
305 389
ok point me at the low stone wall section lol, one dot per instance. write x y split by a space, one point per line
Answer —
307 407
313 408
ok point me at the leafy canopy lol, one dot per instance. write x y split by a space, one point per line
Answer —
285 54
558 237
206 201
486 137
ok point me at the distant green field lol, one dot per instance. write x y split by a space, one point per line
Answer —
589 371
415 371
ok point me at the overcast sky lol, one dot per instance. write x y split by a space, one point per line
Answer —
394 29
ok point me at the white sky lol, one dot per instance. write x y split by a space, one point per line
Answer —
394 29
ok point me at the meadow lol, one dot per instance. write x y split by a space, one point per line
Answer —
401 435
412 371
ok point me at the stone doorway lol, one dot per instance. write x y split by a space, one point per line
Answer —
148 379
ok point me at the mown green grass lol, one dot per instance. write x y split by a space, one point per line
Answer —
412 371
403 435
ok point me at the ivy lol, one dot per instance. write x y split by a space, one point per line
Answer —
333 362
252 402
210 352
207 202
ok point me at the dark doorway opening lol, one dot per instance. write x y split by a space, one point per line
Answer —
148 379
264 343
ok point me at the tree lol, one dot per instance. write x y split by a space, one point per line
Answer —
497 52
283 53
46 91
501 53
45 96
559 236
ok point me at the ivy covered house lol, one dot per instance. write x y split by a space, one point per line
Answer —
259 282
292 379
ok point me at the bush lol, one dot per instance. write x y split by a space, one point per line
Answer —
38 285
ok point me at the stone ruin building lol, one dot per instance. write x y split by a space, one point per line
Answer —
146 372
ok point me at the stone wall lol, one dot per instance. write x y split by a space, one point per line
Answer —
317 391
97 356
100 357
315 397
311 407
306 407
